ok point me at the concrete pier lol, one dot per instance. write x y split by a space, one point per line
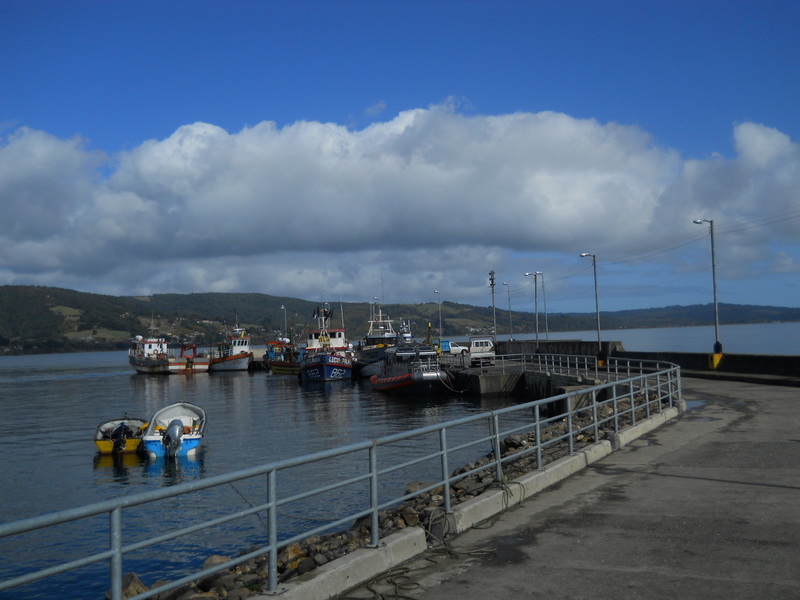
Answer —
705 506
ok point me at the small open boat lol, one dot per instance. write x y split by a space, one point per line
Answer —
175 430
119 436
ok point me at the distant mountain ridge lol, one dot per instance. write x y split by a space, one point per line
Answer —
45 319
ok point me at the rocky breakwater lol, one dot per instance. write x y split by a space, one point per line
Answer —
424 510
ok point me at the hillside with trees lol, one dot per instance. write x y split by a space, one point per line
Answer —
43 319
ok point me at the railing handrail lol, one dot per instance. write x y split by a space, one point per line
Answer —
651 376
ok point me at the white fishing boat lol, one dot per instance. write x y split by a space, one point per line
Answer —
233 354
153 355
175 430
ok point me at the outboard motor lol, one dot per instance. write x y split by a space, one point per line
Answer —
119 436
172 437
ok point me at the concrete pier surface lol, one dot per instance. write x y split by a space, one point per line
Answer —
705 507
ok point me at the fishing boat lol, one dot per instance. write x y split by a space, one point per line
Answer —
282 358
327 355
175 430
233 354
153 355
380 336
119 436
410 369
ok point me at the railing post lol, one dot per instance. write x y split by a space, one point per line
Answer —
272 534
373 495
569 427
115 535
445 469
498 467
538 428
594 414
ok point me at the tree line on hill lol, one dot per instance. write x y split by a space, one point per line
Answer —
45 319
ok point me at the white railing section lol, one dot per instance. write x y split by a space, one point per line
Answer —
370 476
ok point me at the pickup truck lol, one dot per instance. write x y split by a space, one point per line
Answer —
481 351
457 348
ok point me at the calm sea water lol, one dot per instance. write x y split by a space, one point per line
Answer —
761 338
51 405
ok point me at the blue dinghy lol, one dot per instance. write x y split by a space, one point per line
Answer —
175 430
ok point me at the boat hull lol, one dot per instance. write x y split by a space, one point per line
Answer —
149 365
420 383
326 367
188 367
107 446
167 366
283 367
190 446
239 362
367 370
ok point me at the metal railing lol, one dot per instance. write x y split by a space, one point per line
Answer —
565 364
367 476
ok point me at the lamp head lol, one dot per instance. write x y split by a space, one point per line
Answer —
528 274
585 254
698 221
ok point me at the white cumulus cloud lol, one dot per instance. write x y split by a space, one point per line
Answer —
430 198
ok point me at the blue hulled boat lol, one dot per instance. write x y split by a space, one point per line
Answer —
175 430
327 356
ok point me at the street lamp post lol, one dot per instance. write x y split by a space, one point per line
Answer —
544 298
440 316
596 303
510 323
494 308
535 303
717 343
285 322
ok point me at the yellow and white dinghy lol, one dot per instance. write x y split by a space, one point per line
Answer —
119 436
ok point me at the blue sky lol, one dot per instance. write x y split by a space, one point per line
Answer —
350 150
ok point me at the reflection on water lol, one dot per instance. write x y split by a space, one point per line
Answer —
127 469
115 468
174 470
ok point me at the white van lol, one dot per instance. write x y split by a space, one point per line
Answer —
481 351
